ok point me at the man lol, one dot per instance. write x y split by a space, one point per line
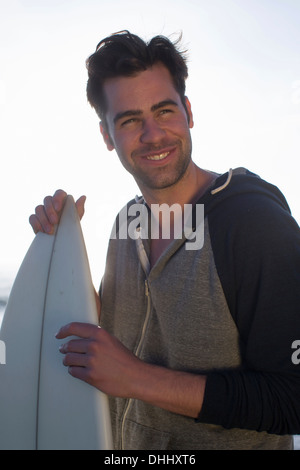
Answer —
195 349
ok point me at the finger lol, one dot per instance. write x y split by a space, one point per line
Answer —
59 198
50 211
42 220
82 330
47 216
80 206
35 224
75 359
79 373
75 345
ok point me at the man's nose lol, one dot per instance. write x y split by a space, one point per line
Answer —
152 132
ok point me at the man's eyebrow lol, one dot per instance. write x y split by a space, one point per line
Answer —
137 112
163 103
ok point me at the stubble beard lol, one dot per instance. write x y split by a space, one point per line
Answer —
165 177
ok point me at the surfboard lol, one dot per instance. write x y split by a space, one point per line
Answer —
41 405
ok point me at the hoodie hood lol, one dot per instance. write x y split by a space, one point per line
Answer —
240 182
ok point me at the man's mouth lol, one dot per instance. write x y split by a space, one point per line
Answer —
159 156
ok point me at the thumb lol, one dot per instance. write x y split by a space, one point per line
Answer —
80 206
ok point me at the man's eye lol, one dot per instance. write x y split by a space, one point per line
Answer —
165 112
128 122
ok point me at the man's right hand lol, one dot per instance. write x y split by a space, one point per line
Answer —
47 216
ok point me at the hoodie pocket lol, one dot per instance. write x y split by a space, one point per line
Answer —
139 437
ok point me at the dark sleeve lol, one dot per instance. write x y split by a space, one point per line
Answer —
256 245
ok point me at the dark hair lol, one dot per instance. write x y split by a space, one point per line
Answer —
125 54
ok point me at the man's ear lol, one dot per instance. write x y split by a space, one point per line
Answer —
106 137
189 112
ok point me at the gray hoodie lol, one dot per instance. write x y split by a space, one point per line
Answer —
229 309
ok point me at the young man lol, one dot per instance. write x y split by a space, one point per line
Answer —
196 345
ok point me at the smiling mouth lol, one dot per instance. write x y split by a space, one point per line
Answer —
160 156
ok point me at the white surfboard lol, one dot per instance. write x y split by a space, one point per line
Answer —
41 405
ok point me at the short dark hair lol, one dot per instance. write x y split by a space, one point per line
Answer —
125 54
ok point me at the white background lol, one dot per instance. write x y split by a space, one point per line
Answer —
244 86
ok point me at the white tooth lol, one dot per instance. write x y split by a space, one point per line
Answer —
158 157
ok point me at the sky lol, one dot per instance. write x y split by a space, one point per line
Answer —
244 87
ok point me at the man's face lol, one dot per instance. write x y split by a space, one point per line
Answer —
148 127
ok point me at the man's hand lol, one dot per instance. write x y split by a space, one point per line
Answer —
47 216
101 360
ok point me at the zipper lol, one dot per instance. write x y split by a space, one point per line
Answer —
138 349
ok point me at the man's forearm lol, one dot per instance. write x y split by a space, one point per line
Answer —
175 391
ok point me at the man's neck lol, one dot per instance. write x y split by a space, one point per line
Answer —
188 190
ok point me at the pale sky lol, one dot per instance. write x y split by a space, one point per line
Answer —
244 86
